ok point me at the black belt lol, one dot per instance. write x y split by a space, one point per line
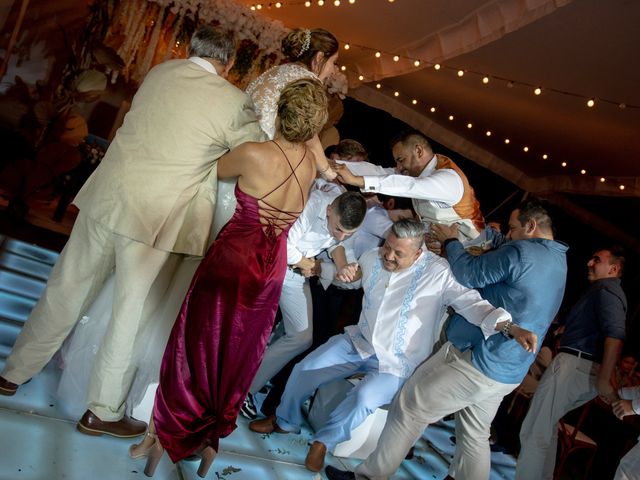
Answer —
577 353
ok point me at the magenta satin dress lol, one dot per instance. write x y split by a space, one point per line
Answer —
221 332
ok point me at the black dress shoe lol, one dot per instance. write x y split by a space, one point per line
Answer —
7 388
127 427
334 473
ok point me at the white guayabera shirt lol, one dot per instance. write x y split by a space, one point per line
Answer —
401 311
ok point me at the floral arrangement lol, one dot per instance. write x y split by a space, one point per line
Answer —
147 32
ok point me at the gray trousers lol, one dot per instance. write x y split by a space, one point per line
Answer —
566 384
446 383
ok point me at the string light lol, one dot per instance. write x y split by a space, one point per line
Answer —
432 109
278 4
507 141
396 94
591 102
396 58
414 101
485 80
621 187
416 63
307 3
343 68
564 164
537 91
437 66
320 3
525 149
602 179
378 54
488 133
451 117
460 73
346 46
583 171
361 78
378 86
545 156
336 3
469 125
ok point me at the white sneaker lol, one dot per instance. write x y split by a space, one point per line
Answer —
248 409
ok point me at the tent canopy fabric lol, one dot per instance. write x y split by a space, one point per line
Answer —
573 50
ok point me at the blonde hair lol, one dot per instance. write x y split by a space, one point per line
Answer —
302 110
301 45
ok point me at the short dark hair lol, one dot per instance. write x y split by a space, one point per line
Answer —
411 135
617 257
348 148
350 208
534 209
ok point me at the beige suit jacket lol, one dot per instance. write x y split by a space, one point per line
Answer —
157 182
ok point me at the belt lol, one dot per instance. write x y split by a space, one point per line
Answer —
577 353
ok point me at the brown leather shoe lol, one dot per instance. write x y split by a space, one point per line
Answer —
7 388
315 457
128 427
266 425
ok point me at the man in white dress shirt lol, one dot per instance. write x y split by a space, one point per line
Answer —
328 218
151 198
407 291
438 188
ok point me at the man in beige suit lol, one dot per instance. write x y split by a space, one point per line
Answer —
151 198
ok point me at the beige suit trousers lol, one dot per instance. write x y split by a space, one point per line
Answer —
89 256
446 383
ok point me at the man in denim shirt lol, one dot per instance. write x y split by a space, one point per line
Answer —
588 353
471 373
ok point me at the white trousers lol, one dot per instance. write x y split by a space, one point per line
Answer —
296 308
446 383
87 259
566 384
629 468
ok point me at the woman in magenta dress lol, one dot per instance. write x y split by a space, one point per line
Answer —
220 335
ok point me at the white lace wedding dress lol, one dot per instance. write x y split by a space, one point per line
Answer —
78 353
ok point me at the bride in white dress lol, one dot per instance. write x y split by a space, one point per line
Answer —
311 54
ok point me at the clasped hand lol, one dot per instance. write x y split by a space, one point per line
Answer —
348 273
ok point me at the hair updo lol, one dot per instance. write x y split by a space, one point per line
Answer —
301 45
302 110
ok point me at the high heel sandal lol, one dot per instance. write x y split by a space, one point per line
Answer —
139 450
155 454
208 454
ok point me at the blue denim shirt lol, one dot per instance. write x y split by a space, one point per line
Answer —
526 278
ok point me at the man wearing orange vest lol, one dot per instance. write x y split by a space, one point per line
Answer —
438 188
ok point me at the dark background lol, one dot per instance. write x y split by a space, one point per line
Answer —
375 128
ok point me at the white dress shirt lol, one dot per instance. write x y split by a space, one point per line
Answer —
310 235
443 186
401 311
371 234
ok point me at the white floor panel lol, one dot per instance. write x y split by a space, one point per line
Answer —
39 441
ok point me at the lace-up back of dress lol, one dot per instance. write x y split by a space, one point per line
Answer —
275 220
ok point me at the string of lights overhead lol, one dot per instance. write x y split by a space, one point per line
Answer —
434 109
485 78
319 3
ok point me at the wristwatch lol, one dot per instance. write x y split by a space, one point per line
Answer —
506 329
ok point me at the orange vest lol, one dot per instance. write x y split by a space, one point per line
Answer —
468 206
